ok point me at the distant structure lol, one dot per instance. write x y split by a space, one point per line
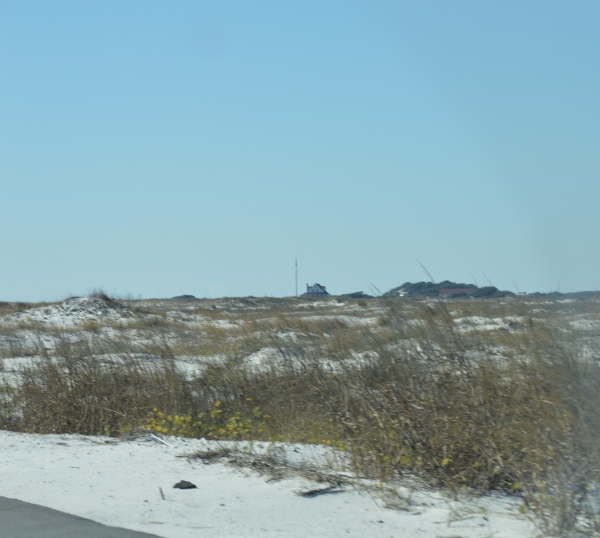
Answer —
316 290
449 292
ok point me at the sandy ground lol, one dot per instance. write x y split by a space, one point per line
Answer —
130 484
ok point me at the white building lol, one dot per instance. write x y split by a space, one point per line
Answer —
316 289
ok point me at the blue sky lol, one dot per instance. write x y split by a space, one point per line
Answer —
159 148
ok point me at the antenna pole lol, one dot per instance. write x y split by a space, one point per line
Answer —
296 277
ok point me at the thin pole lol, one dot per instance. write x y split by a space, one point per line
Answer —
296 277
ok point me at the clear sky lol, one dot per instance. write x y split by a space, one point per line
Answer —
153 148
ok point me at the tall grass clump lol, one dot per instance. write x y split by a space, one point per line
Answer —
440 405
83 389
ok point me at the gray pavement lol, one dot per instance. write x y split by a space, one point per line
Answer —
19 519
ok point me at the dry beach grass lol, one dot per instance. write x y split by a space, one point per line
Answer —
467 395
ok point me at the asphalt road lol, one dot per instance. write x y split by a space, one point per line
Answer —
19 519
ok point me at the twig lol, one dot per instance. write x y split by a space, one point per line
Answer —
113 411
333 488
156 438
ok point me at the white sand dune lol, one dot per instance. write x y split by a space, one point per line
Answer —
123 482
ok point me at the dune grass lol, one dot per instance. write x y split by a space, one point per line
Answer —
405 388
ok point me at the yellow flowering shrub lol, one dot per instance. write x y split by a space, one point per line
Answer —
215 423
